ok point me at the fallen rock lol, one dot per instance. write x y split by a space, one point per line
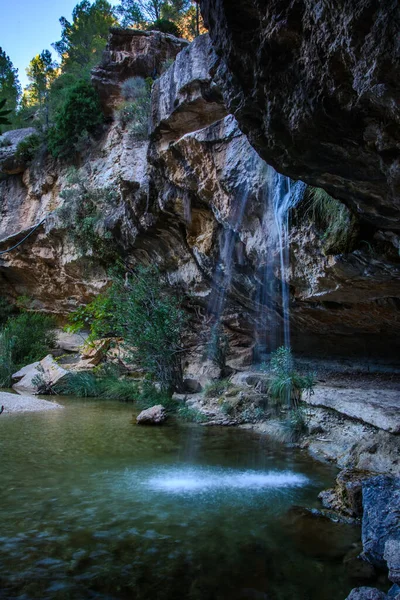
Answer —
346 497
366 593
381 520
47 369
152 416
94 352
70 342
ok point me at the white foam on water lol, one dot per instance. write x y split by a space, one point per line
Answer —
203 481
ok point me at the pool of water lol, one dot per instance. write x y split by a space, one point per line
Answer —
93 506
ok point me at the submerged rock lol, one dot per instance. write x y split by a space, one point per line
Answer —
156 415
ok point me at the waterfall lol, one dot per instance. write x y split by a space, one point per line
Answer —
285 195
281 195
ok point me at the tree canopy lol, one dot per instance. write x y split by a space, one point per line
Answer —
85 37
10 89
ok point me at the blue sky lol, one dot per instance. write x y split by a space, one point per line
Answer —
29 26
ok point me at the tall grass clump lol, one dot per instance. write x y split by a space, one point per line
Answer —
287 385
336 222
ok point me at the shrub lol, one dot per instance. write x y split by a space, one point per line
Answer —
191 415
216 388
287 385
82 214
24 339
141 309
295 424
32 335
166 26
217 347
6 310
28 148
5 142
338 224
135 111
7 366
80 111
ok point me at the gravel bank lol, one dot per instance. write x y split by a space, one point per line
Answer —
13 403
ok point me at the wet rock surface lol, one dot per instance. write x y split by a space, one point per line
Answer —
381 519
314 89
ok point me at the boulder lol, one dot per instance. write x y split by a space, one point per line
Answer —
48 370
346 497
156 415
94 352
392 557
366 593
9 164
70 342
381 521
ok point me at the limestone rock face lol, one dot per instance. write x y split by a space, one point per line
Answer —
315 87
196 201
132 53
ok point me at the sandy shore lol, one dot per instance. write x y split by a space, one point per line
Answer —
13 403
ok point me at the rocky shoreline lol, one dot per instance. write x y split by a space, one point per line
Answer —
14 403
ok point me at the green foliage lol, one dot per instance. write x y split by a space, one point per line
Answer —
336 222
295 424
135 111
217 347
7 366
6 310
165 26
109 386
287 385
85 37
151 321
32 336
79 112
97 316
191 415
216 388
5 142
82 214
141 310
24 339
10 89
41 72
28 148
4 113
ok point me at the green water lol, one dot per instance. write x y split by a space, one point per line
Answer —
93 506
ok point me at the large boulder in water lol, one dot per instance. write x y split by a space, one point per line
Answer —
156 415
381 521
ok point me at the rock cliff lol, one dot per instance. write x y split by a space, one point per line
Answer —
196 200
315 87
